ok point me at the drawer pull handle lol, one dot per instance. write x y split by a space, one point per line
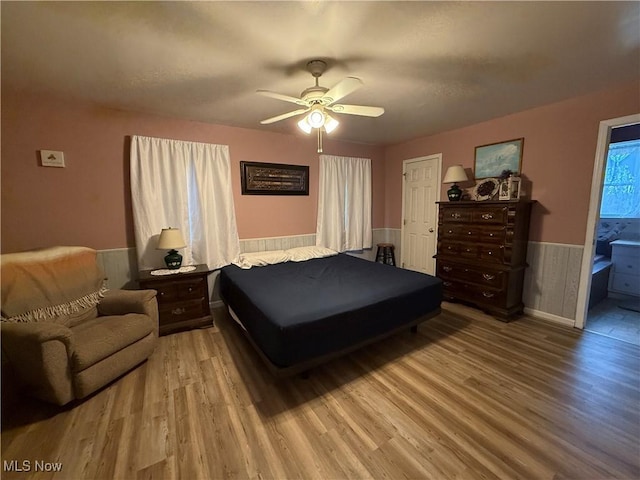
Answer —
468 249
447 284
447 269
488 276
487 294
190 289
178 311
469 233
487 216
450 231
455 215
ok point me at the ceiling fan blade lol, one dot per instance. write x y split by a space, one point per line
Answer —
343 88
357 110
280 96
277 118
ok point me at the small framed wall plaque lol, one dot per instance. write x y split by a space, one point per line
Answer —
274 179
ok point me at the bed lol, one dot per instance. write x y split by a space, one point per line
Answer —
302 307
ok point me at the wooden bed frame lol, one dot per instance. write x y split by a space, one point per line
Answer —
304 367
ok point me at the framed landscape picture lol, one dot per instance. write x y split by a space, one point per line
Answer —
491 160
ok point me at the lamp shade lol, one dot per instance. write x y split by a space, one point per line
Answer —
171 238
316 118
330 124
455 174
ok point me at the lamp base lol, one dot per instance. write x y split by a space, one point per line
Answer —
173 260
454 193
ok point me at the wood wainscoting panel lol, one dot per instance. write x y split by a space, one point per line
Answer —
467 396
552 278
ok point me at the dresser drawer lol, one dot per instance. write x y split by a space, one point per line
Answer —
470 292
455 215
491 253
490 214
479 276
626 284
473 233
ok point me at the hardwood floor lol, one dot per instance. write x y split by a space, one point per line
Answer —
466 397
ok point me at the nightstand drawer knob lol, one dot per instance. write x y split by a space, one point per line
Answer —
447 269
487 216
487 276
488 294
178 311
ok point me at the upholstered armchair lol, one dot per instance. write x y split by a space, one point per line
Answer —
63 333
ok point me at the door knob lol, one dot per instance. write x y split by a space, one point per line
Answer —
431 230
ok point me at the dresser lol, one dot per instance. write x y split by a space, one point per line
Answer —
625 258
183 298
481 254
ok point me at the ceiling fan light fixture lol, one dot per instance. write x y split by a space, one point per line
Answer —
330 124
317 117
304 125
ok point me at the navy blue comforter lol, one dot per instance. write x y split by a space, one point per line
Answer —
296 311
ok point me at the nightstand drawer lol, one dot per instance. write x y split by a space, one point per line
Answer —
182 311
192 288
167 292
626 284
626 264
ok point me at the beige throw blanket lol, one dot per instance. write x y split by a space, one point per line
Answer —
49 283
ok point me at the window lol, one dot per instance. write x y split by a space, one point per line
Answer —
621 189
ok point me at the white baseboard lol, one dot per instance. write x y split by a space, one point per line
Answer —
551 317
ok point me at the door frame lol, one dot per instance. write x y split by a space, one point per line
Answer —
434 156
584 286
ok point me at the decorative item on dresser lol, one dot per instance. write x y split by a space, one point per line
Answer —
482 250
183 298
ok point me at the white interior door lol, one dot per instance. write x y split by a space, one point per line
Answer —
421 190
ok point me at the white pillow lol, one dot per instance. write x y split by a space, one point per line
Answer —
300 254
260 259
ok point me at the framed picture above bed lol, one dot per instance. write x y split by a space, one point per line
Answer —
493 159
274 179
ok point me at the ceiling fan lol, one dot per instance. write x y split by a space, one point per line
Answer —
317 102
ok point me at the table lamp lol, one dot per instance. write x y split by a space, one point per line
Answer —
170 239
454 175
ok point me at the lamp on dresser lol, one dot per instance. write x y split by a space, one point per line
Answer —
171 239
454 175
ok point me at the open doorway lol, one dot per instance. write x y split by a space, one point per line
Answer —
612 303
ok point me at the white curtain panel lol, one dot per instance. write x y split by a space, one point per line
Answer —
185 185
344 203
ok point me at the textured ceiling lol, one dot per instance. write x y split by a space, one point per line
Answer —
433 66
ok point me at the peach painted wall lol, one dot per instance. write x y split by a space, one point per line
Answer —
89 202
558 158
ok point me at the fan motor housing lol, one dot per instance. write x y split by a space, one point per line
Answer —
315 94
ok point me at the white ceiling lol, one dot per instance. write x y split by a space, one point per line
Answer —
433 66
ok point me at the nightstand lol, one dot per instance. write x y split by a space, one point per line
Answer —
183 298
625 258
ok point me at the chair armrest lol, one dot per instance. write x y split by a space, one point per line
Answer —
39 354
37 332
121 302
